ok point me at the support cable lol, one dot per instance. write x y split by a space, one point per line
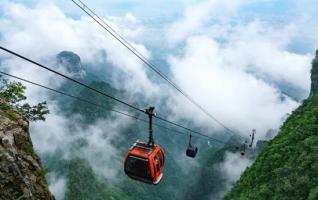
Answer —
146 61
117 111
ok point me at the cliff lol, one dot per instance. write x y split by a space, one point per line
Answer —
72 63
314 75
21 172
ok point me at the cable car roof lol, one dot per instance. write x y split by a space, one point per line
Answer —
142 149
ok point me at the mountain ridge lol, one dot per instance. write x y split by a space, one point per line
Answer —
286 168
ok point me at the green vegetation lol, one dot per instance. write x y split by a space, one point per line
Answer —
90 112
287 167
42 171
83 184
209 184
24 196
11 96
30 151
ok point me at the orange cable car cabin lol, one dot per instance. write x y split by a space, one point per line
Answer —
145 161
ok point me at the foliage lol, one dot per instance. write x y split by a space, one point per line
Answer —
90 112
210 182
11 96
287 167
84 184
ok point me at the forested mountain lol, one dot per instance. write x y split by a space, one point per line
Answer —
82 182
287 167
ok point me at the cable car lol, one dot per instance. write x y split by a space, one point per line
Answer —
191 150
145 161
243 150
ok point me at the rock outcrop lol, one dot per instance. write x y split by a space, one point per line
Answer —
21 172
72 63
314 76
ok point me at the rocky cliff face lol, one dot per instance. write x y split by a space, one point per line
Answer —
72 63
21 173
314 76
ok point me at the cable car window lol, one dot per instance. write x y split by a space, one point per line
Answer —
138 167
157 162
160 158
163 157
154 168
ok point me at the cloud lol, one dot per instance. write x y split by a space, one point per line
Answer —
43 38
57 186
238 71
93 143
197 16
54 32
230 66
100 152
233 167
229 69
63 133
250 47
235 97
57 134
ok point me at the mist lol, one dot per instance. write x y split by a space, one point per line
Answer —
234 70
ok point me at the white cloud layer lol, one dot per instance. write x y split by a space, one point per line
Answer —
62 133
57 186
43 38
233 167
230 68
196 16
53 32
236 68
220 68
222 77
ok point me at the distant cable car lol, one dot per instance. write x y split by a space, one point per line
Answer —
191 150
145 161
243 150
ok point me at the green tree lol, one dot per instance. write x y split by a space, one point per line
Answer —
287 166
12 97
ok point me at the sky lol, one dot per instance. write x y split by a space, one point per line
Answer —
236 58
157 14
